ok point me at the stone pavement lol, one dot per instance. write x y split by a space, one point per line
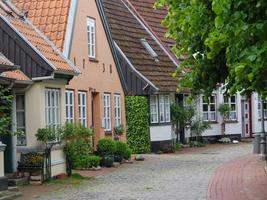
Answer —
241 179
160 177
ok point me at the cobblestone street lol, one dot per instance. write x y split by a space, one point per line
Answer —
170 177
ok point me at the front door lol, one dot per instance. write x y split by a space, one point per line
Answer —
246 129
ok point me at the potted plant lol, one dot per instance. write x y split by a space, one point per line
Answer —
224 110
198 127
118 131
106 149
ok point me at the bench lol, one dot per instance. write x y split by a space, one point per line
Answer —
32 163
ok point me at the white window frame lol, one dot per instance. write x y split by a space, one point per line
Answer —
82 107
160 109
52 110
107 112
209 113
91 37
260 107
154 116
69 106
233 112
117 109
21 128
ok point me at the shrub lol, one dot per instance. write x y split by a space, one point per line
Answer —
137 117
121 148
93 161
45 135
106 147
78 144
196 144
5 110
127 154
178 146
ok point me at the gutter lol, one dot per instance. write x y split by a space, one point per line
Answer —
44 77
111 44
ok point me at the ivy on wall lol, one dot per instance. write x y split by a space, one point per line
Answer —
5 110
137 118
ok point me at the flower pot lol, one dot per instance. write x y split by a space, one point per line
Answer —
118 158
107 161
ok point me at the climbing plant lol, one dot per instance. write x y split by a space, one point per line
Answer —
137 117
5 110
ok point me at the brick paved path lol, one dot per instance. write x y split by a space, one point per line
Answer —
242 179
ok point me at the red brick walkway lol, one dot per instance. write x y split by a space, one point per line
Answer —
242 179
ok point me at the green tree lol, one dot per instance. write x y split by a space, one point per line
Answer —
5 110
224 41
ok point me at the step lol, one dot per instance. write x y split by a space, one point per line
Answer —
18 181
7 195
36 178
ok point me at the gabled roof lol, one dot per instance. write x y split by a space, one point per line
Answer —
35 39
128 31
50 16
153 18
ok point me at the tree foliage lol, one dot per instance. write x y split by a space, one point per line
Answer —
5 110
137 118
224 41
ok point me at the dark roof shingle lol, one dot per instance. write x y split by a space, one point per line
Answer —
127 32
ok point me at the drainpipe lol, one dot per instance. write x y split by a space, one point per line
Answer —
14 137
263 141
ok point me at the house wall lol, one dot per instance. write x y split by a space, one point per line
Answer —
58 162
98 76
162 134
35 108
256 122
1 160
231 128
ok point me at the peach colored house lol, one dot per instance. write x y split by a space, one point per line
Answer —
96 97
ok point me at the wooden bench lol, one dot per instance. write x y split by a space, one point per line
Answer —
32 163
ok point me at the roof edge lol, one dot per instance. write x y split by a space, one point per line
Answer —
70 26
111 44
135 70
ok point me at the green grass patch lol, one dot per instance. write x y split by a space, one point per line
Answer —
74 179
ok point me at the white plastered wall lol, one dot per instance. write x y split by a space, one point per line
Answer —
163 132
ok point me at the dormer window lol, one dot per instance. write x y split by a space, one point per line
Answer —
91 37
149 49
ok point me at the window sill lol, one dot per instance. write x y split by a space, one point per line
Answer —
230 121
265 119
93 60
212 122
108 133
161 124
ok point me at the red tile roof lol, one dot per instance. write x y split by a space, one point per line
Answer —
16 74
127 32
50 16
4 60
38 40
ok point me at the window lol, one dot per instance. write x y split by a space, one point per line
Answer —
209 108
107 114
154 109
91 37
82 108
264 107
231 101
149 49
20 114
52 109
117 99
70 106
163 111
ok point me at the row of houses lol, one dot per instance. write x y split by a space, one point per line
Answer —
75 61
